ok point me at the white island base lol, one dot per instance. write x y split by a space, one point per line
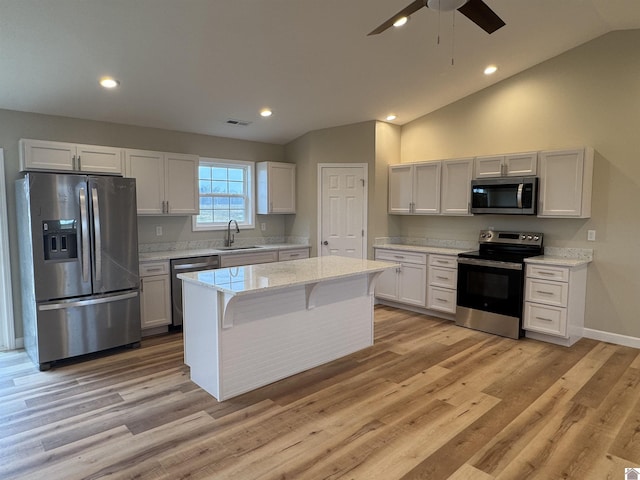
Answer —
246 327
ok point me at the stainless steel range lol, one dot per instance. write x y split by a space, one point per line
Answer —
491 282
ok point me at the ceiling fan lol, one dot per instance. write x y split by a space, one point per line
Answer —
475 10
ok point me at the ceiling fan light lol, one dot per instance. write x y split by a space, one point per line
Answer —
400 21
445 5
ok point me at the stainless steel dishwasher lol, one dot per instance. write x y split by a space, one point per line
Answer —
185 265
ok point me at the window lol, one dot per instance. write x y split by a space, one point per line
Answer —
226 193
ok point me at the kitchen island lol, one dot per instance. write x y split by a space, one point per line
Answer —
245 327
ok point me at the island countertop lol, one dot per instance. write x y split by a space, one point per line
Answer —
271 276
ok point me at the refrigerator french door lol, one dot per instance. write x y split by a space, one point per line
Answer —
79 264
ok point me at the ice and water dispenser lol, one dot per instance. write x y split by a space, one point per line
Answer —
60 239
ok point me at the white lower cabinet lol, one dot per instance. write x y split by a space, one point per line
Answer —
155 295
443 283
554 306
406 284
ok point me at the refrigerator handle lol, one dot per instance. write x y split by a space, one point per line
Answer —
96 229
84 235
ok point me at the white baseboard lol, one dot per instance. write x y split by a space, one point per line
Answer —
616 338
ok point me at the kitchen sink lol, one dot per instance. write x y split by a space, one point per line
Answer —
238 248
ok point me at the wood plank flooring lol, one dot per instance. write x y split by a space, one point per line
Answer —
428 401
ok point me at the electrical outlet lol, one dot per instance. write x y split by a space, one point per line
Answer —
263 226
591 235
158 230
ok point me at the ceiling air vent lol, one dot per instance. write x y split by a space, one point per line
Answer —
237 123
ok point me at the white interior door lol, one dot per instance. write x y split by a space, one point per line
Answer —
342 228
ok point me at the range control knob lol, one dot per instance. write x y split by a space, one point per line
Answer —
489 235
483 235
536 238
529 237
523 236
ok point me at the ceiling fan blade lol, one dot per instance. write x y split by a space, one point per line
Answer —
479 13
405 12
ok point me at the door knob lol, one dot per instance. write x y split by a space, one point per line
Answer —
325 243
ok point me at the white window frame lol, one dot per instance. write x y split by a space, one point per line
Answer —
250 216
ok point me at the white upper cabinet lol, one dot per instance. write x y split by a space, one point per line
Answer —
566 178
400 189
426 187
69 157
456 186
440 187
511 165
276 187
415 188
166 183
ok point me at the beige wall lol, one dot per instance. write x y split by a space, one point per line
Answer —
345 144
16 125
587 96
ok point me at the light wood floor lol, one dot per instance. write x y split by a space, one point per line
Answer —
429 400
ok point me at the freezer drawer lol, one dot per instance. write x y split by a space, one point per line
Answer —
76 327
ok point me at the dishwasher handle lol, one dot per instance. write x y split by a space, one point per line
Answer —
186 266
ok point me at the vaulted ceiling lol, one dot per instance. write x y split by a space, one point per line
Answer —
192 65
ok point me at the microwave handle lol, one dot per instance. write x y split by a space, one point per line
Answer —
519 195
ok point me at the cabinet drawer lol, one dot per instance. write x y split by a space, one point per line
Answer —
548 272
545 319
443 277
293 254
549 293
443 261
154 268
240 259
442 299
401 257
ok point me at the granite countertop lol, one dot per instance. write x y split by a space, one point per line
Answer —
424 249
558 261
270 276
202 252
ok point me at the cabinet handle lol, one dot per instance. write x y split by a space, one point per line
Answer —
442 261
271 206
79 163
398 256
141 285
294 254
442 278
442 300
542 272
158 269
545 319
542 292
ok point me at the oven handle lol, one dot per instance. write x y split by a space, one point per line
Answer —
490 263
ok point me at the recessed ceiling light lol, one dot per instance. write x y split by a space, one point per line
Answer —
401 21
490 70
391 117
109 82
266 112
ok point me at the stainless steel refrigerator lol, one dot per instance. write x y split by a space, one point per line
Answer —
79 264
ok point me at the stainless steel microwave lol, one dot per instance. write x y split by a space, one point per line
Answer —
505 196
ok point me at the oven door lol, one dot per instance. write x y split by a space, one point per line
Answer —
490 286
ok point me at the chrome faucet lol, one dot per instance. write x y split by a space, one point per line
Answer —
230 237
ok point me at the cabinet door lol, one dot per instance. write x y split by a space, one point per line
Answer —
426 187
400 189
387 285
182 194
412 288
155 301
565 183
43 155
456 186
521 164
148 170
282 187
93 158
490 166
